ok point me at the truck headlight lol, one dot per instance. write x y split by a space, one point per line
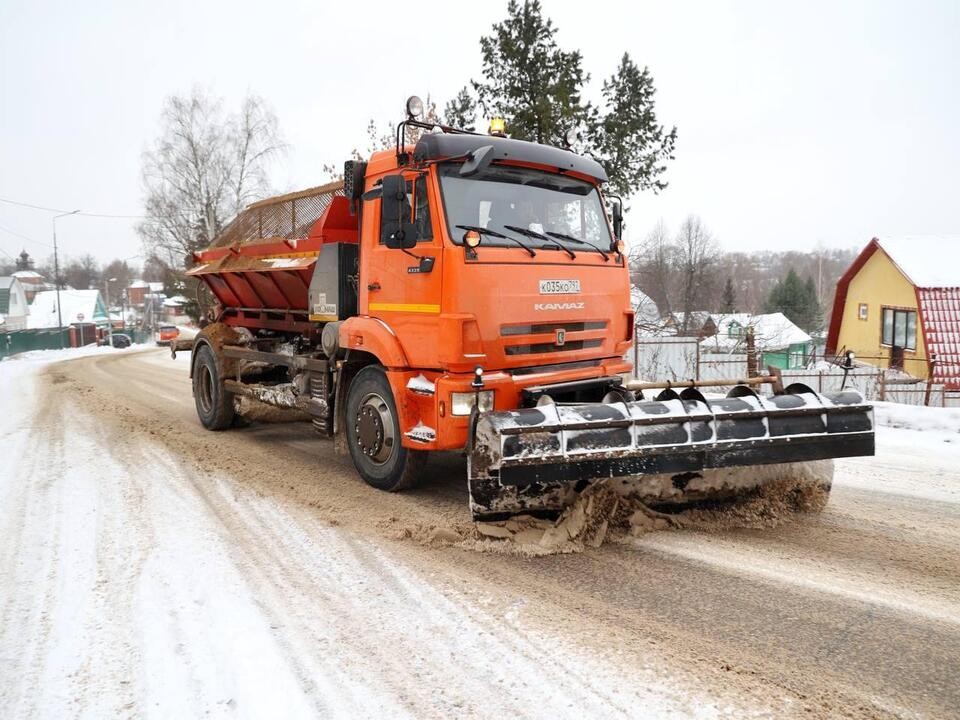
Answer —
461 403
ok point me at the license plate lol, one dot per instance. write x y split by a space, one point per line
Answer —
559 287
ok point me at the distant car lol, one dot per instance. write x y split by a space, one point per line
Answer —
120 340
166 334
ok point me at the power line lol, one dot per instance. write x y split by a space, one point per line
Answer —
85 214
23 237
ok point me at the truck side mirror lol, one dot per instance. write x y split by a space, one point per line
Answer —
396 230
617 219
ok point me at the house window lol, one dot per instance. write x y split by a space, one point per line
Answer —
862 311
900 328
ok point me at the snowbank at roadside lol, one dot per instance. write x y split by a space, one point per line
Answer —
916 417
50 356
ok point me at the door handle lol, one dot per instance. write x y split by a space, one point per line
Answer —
373 286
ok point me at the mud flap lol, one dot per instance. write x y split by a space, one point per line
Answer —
537 459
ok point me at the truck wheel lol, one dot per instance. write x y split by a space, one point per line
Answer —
214 403
373 434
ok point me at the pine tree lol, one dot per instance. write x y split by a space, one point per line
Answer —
529 79
630 144
812 303
795 299
461 112
537 87
729 303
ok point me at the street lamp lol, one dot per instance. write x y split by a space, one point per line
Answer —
56 273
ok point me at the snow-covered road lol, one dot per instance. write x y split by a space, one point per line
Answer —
149 568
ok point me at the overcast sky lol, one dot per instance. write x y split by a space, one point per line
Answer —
799 124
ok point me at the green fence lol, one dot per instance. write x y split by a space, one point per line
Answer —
26 340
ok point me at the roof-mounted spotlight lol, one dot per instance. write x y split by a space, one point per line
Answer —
414 107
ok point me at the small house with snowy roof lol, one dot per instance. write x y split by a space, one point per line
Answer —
781 343
898 306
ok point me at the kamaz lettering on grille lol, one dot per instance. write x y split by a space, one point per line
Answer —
559 306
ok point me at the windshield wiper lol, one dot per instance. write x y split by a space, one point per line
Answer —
494 233
541 236
571 238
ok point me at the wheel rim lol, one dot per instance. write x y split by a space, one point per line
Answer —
375 429
205 389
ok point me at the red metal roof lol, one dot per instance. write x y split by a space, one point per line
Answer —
940 318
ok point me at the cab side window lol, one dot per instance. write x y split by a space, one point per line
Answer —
422 211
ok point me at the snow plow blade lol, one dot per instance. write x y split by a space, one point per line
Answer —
671 450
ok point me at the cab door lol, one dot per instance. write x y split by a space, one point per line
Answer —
403 288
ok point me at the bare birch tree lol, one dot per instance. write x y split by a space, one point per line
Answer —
205 166
654 267
697 254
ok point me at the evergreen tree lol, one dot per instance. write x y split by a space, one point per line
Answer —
461 112
529 79
629 143
812 302
797 300
729 304
537 87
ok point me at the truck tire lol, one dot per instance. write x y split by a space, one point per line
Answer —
214 404
373 434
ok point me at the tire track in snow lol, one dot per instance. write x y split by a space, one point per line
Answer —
329 560
29 561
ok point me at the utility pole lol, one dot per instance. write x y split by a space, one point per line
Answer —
109 319
56 274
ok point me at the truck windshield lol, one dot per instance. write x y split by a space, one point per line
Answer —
503 198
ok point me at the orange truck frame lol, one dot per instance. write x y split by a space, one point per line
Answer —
463 278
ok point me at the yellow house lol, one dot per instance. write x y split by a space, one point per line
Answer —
898 305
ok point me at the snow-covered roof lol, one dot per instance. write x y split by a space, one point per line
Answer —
770 330
694 315
927 260
7 281
156 287
175 301
139 284
43 310
30 278
645 310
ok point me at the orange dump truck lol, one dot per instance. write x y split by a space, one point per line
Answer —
470 292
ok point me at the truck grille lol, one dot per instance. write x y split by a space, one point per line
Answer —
550 327
572 329
569 345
